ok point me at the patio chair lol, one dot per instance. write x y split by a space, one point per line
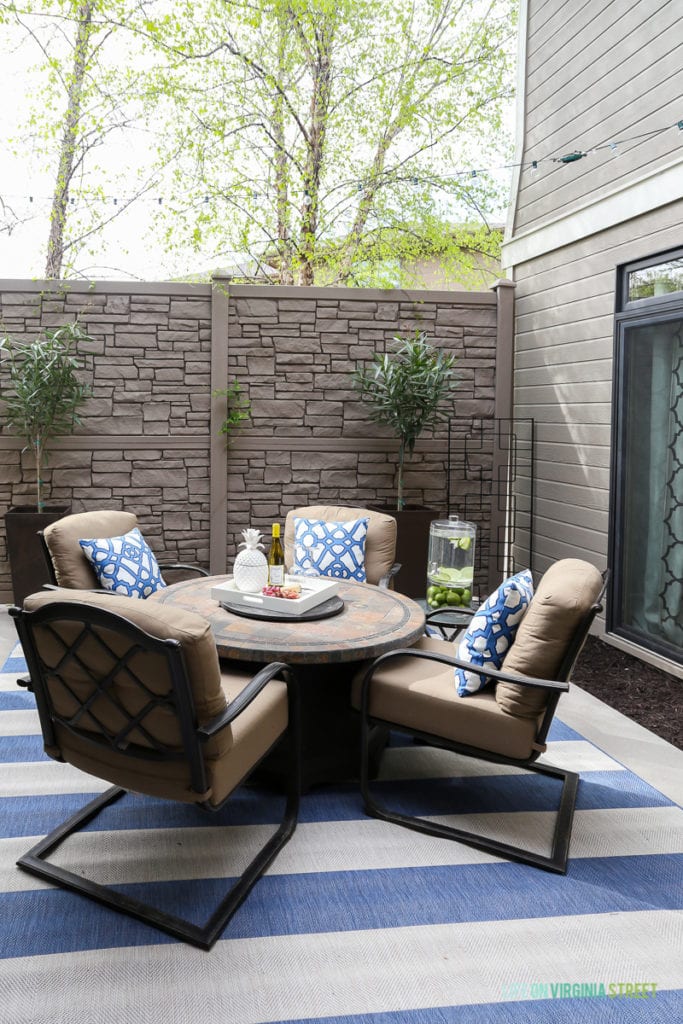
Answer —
507 721
380 543
136 696
67 563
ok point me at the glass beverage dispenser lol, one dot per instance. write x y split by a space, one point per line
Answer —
450 563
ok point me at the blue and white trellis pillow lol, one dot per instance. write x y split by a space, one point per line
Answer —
330 549
492 630
124 564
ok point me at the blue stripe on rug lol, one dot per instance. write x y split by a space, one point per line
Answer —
664 1007
15 663
20 749
42 921
33 815
17 700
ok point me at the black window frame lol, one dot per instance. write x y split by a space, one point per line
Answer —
631 313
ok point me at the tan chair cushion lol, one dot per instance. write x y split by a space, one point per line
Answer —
251 736
71 566
565 594
380 544
162 621
421 694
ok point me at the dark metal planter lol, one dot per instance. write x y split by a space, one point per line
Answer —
412 548
25 552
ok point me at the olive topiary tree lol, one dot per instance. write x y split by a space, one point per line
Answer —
405 390
44 391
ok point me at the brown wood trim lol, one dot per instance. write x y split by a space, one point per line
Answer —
218 487
412 295
253 443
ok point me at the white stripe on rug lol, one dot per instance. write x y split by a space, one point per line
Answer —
267 979
414 762
20 723
8 681
46 778
144 855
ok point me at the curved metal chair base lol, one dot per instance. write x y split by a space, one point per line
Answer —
556 861
203 936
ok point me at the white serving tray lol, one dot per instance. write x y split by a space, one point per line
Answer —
314 590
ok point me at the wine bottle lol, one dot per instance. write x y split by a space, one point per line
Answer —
276 559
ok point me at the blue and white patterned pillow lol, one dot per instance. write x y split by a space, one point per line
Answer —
330 549
492 630
124 564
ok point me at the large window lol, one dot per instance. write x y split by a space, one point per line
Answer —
646 546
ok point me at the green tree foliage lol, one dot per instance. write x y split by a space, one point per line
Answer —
326 135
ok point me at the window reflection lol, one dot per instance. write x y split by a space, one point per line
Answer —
662 279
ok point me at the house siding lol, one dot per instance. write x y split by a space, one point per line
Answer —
565 302
597 72
591 72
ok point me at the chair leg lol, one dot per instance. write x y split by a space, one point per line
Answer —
556 861
203 936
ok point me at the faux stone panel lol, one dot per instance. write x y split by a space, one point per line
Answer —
150 373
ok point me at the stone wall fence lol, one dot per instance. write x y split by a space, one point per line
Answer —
150 437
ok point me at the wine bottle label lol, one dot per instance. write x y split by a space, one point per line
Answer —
276 575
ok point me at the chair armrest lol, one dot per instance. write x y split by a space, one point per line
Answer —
388 576
181 565
490 673
247 695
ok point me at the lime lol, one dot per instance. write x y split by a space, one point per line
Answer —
466 596
453 598
465 543
432 592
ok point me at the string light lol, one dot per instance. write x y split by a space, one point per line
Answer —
533 165
569 158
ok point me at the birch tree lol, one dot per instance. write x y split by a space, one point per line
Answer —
329 135
91 91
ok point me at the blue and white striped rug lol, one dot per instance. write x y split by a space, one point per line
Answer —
357 921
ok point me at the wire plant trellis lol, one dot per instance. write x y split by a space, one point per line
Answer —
490 474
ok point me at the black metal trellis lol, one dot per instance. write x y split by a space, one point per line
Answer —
490 476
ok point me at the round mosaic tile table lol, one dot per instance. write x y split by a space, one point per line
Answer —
326 654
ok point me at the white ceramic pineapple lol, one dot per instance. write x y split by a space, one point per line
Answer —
251 568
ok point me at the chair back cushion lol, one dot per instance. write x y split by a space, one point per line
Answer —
380 542
104 651
72 568
561 603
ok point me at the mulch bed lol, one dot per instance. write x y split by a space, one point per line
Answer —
644 693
